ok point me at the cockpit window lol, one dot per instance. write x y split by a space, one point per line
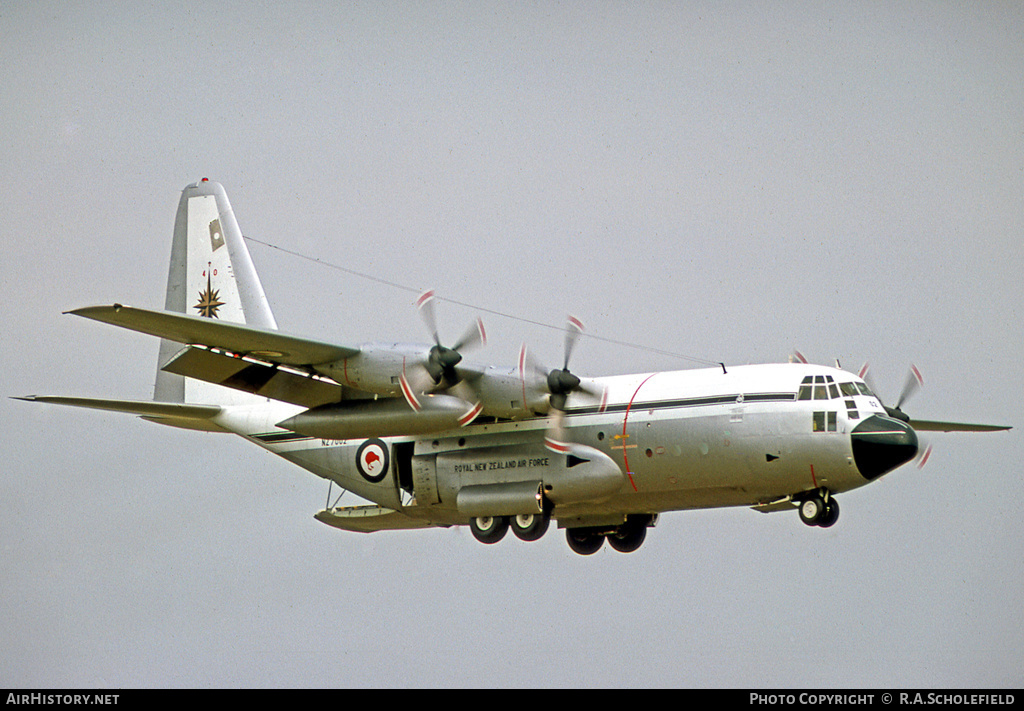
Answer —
824 387
865 390
819 387
848 389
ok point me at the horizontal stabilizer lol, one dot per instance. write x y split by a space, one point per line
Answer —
368 519
934 426
175 414
268 345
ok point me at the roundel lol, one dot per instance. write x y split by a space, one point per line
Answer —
372 460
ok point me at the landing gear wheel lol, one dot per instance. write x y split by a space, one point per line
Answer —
812 509
488 529
583 541
627 537
530 527
831 514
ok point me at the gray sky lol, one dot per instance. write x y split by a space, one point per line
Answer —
721 181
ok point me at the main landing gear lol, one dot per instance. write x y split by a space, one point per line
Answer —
819 508
526 527
625 538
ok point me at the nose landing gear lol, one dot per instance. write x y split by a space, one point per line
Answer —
819 508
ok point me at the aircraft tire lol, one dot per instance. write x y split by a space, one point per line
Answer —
583 541
530 527
812 509
628 537
831 514
489 529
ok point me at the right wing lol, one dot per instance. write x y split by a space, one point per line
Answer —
175 414
935 426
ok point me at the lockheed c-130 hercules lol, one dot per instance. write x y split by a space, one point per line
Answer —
433 441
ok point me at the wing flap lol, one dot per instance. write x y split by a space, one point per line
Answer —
253 376
268 345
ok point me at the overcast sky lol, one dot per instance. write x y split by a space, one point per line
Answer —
721 181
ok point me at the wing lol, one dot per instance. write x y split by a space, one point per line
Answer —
936 426
267 345
175 414
255 360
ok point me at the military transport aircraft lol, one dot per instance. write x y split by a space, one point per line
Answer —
433 441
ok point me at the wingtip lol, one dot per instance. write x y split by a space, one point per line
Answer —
97 313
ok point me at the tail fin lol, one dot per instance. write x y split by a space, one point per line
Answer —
212 276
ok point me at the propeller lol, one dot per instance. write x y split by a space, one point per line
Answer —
442 360
439 367
912 384
922 457
559 384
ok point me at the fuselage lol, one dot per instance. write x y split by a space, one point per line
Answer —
728 436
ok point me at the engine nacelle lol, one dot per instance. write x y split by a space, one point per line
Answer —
377 367
503 393
359 419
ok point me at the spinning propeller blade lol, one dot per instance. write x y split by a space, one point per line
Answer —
441 360
559 384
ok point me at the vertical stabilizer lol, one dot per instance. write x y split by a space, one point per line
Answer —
211 276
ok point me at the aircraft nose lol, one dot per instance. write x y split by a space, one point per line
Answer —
880 444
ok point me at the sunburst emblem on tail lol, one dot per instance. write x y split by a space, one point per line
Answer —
209 300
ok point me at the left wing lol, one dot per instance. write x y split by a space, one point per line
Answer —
267 345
